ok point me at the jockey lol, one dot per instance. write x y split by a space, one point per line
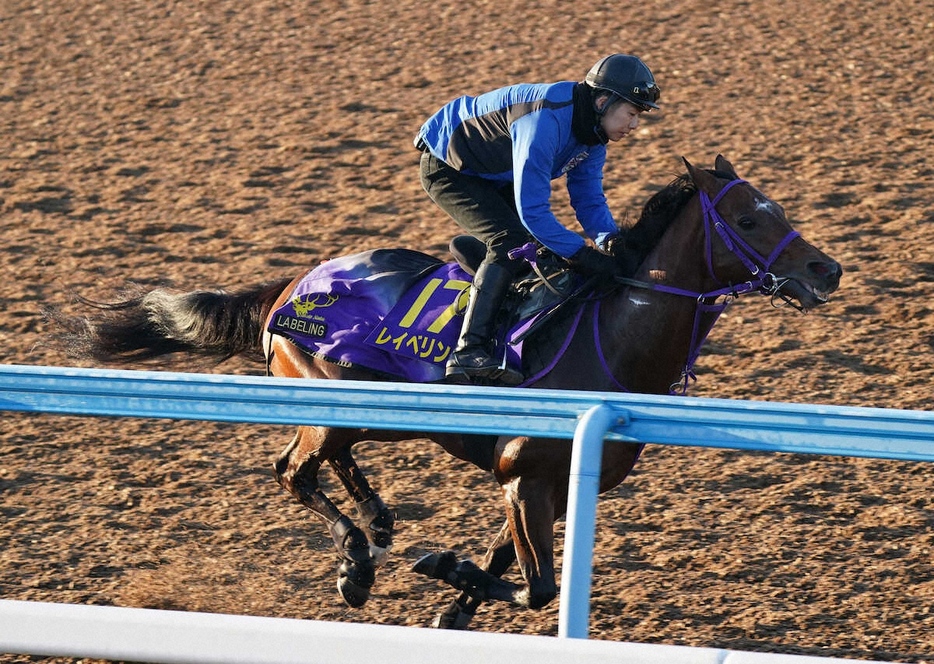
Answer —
488 161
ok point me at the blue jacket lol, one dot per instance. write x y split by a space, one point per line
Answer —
523 134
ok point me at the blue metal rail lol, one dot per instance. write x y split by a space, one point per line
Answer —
587 418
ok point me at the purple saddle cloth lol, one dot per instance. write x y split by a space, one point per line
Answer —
394 311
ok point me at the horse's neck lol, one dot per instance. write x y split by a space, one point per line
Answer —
651 332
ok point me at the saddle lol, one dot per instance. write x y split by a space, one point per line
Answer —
548 282
398 312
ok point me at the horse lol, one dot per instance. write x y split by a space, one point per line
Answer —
707 238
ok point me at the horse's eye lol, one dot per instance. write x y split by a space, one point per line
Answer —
746 223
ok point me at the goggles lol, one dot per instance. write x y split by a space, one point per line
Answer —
644 94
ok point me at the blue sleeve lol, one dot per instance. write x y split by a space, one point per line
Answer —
535 141
585 188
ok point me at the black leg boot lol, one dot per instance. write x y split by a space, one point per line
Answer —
471 359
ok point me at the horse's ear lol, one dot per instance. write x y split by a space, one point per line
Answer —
701 178
721 164
689 166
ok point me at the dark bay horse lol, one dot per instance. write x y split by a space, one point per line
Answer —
708 237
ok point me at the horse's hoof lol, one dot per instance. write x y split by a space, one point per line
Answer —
354 595
436 565
354 581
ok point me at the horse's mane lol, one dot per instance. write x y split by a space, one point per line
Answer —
658 213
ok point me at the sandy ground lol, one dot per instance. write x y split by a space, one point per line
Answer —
223 143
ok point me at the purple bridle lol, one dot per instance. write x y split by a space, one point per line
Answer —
762 280
753 261
709 302
758 265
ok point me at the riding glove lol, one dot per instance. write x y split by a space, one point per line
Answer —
615 245
594 263
624 247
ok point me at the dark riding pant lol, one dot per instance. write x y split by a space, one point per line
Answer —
484 208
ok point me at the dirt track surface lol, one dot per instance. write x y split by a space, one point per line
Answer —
225 143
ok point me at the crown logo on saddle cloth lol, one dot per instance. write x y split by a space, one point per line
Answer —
403 321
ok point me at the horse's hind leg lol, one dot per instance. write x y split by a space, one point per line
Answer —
497 560
371 510
297 471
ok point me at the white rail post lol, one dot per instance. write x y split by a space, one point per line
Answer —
583 487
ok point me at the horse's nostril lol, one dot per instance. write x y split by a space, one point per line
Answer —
826 269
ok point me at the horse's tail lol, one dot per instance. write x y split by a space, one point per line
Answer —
150 325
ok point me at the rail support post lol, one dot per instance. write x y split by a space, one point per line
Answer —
583 487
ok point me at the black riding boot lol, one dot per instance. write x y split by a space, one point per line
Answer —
471 359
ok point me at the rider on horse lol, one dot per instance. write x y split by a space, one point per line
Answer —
488 161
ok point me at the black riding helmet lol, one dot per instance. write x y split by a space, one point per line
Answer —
626 77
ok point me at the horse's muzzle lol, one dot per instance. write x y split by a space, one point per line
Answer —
813 290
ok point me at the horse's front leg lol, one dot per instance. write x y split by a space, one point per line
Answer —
297 471
530 515
497 560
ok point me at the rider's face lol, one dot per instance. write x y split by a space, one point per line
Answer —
620 119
